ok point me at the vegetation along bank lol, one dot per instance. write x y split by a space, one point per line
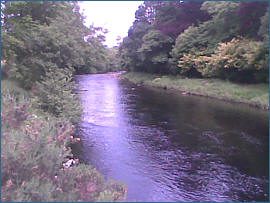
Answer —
252 94
44 44
213 48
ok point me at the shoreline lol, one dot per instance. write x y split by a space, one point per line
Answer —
146 84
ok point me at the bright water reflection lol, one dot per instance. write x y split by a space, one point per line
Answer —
169 147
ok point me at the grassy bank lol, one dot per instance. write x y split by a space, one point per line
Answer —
252 94
34 147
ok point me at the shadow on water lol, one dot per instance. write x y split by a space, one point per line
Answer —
170 147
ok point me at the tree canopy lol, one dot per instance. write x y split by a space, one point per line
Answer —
41 36
165 33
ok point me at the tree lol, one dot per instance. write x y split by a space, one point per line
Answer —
154 51
165 34
172 18
130 45
249 17
41 36
154 20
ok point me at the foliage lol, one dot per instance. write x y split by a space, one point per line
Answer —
44 44
35 41
238 60
196 30
264 28
54 94
172 18
205 37
34 146
130 45
114 59
87 184
249 17
187 42
157 19
154 51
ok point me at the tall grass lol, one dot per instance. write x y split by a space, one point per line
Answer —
254 94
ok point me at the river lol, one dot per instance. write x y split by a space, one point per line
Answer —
172 147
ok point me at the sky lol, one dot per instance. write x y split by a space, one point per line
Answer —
116 16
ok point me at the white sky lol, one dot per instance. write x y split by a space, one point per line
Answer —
116 16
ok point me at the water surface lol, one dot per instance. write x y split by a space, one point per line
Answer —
171 147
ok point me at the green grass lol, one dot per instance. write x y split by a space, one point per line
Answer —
254 94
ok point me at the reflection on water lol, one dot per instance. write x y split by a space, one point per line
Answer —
168 147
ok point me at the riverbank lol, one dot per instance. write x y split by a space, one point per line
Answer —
36 156
256 95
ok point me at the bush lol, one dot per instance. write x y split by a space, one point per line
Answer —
190 65
86 184
54 94
34 147
29 149
240 60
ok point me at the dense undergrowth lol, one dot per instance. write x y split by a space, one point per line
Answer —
253 94
44 44
34 145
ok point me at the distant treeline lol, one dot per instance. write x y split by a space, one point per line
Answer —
222 39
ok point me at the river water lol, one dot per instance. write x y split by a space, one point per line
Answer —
172 147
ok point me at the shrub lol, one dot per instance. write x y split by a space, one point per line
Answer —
34 146
86 184
238 60
190 65
54 94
